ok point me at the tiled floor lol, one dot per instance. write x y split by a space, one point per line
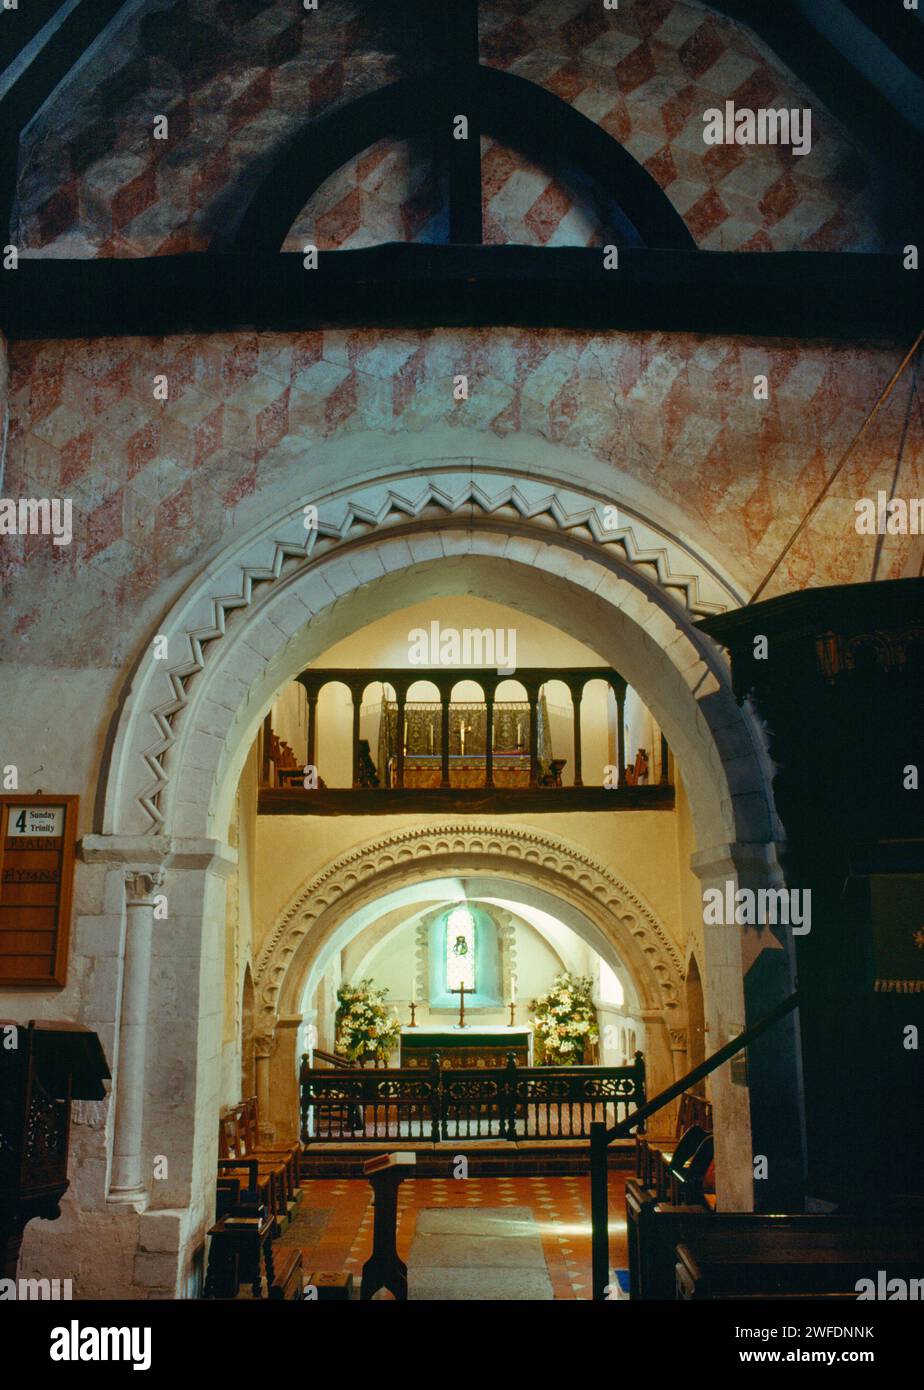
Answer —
334 1228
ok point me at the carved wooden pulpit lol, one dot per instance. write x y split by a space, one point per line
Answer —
43 1067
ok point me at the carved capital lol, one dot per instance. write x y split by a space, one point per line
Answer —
141 886
678 1037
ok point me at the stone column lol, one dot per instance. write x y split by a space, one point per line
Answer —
127 1180
282 1118
264 1047
758 1101
679 1057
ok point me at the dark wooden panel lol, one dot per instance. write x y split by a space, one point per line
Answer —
392 801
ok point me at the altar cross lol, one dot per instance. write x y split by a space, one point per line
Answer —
462 990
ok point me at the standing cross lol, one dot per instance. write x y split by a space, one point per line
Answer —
461 991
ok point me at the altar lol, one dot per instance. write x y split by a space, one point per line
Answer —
486 1046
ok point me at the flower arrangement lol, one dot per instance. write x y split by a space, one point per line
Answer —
566 1021
365 1025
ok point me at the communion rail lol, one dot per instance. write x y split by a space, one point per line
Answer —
435 1103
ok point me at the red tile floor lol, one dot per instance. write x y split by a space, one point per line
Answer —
560 1206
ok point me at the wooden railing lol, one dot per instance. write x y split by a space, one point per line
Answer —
511 1102
601 1137
462 754
333 1059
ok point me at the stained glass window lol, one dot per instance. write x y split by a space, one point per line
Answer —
460 949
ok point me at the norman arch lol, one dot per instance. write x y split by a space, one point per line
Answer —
543 870
274 600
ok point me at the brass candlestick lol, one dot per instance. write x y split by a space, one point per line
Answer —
413 1022
512 1013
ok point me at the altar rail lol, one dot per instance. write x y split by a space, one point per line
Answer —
510 1102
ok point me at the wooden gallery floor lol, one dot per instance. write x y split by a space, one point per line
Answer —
470 1238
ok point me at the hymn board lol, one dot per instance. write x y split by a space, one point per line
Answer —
38 833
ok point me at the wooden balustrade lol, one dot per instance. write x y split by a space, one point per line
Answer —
511 1102
502 758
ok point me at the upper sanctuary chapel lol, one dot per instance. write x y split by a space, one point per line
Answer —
461 647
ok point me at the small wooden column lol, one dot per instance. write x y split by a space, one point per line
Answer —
312 751
576 706
265 751
357 699
444 738
399 732
620 694
533 696
489 741
384 1268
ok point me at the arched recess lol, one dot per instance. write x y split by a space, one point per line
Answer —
696 1017
493 859
515 111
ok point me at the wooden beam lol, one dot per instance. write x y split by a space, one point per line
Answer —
789 294
462 99
516 112
64 44
396 801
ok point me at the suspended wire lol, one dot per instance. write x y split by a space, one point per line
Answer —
886 393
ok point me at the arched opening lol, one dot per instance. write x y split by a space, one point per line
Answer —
313 597
696 1019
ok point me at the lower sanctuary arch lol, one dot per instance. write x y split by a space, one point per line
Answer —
543 869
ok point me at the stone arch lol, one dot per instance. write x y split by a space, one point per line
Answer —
500 851
610 915
261 612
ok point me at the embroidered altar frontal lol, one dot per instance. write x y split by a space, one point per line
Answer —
469 1049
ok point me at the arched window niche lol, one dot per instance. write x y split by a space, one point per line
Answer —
464 947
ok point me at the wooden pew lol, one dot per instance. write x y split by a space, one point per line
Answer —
774 1244
288 1279
266 1178
269 1152
654 1154
826 1261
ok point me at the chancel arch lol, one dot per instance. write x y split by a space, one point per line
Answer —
491 861
275 602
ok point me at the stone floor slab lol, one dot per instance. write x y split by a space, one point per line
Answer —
511 1222
474 1252
473 1285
